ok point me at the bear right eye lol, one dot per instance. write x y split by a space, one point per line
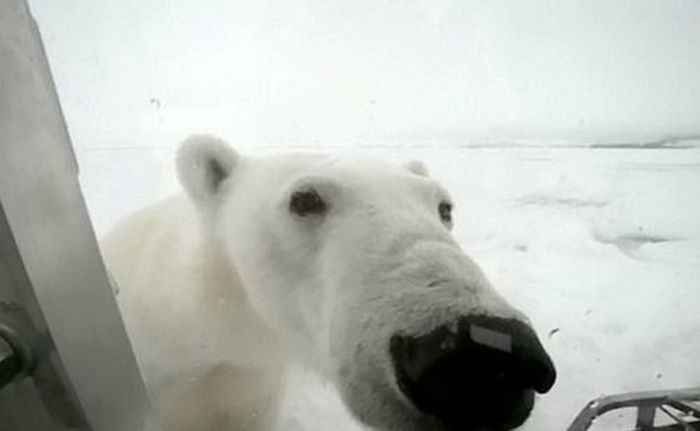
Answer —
307 202
445 212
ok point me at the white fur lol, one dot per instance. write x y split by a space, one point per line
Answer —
417 167
222 291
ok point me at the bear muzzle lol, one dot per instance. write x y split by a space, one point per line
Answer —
482 376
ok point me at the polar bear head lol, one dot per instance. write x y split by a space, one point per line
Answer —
353 264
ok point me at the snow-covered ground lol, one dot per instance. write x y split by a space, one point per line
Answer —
601 247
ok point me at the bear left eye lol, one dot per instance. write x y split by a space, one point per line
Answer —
307 202
445 211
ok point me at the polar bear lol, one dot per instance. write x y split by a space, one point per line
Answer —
346 266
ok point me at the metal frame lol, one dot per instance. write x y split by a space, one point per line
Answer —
57 312
681 406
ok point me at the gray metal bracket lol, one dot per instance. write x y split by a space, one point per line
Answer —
681 407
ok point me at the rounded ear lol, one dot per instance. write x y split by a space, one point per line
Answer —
417 167
203 163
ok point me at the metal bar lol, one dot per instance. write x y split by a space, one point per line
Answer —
675 427
650 399
678 419
50 265
685 406
645 417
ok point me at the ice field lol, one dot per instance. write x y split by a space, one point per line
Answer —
599 246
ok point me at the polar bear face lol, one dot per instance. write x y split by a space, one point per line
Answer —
353 264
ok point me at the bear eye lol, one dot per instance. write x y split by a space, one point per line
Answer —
307 202
445 211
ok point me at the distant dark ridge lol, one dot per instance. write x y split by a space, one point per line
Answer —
671 142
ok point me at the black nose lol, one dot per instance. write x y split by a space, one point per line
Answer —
481 376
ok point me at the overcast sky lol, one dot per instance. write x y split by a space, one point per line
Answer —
136 72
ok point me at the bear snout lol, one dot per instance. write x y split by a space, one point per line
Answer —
483 376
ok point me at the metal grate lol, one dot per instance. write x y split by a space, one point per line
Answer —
681 407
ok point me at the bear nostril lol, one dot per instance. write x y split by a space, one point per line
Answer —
528 358
484 375
543 375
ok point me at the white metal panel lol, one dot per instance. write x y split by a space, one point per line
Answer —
50 265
